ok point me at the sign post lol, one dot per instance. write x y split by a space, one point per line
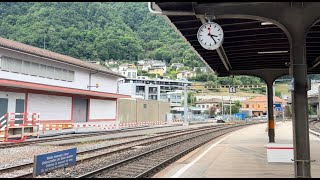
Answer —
48 162
232 89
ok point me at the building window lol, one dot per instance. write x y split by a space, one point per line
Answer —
203 106
207 106
145 106
247 105
252 106
35 69
258 105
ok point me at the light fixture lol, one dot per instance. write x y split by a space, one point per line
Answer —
266 23
272 52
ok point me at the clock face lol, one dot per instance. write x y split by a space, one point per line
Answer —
210 36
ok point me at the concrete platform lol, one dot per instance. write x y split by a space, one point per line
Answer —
241 154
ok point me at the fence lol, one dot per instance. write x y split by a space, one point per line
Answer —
14 125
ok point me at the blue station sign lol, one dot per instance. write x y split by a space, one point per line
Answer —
48 162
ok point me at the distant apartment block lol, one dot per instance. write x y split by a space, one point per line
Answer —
155 89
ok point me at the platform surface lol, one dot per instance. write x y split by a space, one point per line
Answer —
241 154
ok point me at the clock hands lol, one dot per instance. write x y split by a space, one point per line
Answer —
215 42
211 35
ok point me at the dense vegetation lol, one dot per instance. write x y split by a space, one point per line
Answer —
95 31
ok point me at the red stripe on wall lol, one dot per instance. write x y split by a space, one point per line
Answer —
43 87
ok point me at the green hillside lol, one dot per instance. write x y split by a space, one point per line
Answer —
95 31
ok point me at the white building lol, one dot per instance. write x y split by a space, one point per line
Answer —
155 89
145 65
128 70
206 104
175 98
61 88
185 74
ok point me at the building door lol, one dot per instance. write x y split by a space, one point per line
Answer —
3 106
19 109
80 110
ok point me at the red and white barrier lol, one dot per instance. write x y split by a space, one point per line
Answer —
46 127
10 120
28 119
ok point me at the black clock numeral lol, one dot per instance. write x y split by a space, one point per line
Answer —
219 39
205 43
201 39
215 26
218 29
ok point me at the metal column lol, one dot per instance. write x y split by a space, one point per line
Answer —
271 133
298 70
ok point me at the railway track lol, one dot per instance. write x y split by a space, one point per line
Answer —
314 127
153 139
30 142
148 163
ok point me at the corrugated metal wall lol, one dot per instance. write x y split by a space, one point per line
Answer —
141 110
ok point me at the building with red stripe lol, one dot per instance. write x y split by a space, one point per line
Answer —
60 88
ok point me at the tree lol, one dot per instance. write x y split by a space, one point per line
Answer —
234 108
212 111
278 93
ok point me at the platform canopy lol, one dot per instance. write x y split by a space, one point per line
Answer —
263 39
252 42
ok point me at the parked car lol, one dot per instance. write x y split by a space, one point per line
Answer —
220 121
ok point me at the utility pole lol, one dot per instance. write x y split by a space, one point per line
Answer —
222 107
185 105
230 106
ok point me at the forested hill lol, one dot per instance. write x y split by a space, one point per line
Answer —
95 31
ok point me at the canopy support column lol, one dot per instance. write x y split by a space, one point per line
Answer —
271 123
